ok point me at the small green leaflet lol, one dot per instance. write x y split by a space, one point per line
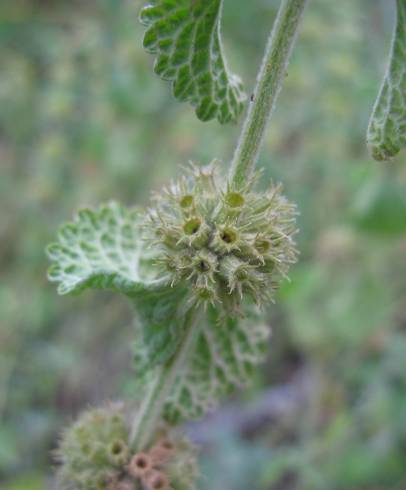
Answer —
224 359
185 36
102 249
386 133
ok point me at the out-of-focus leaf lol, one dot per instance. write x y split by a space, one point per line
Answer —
27 482
381 208
386 133
185 35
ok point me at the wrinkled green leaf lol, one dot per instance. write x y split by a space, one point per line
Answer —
386 133
185 36
224 359
101 249
160 327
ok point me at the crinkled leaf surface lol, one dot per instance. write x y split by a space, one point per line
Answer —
160 327
185 36
387 128
225 357
102 249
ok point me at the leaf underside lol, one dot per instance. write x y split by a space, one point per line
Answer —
101 249
224 359
386 133
185 36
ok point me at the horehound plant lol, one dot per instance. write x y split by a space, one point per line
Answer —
201 263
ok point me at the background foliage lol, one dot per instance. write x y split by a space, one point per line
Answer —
83 120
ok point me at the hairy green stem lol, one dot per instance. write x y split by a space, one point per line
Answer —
269 82
150 411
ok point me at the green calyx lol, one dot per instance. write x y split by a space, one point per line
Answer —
95 454
222 242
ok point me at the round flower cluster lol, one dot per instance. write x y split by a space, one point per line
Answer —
223 242
95 454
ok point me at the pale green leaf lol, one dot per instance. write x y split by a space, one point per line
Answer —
185 36
386 133
102 249
225 357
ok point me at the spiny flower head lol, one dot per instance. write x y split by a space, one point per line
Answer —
95 454
94 449
224 242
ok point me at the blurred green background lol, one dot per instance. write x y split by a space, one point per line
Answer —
83 120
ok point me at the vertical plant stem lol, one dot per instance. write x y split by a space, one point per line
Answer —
269 82
150 411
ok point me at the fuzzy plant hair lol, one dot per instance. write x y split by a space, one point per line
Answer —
202 262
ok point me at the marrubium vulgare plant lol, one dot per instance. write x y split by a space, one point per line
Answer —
202 262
